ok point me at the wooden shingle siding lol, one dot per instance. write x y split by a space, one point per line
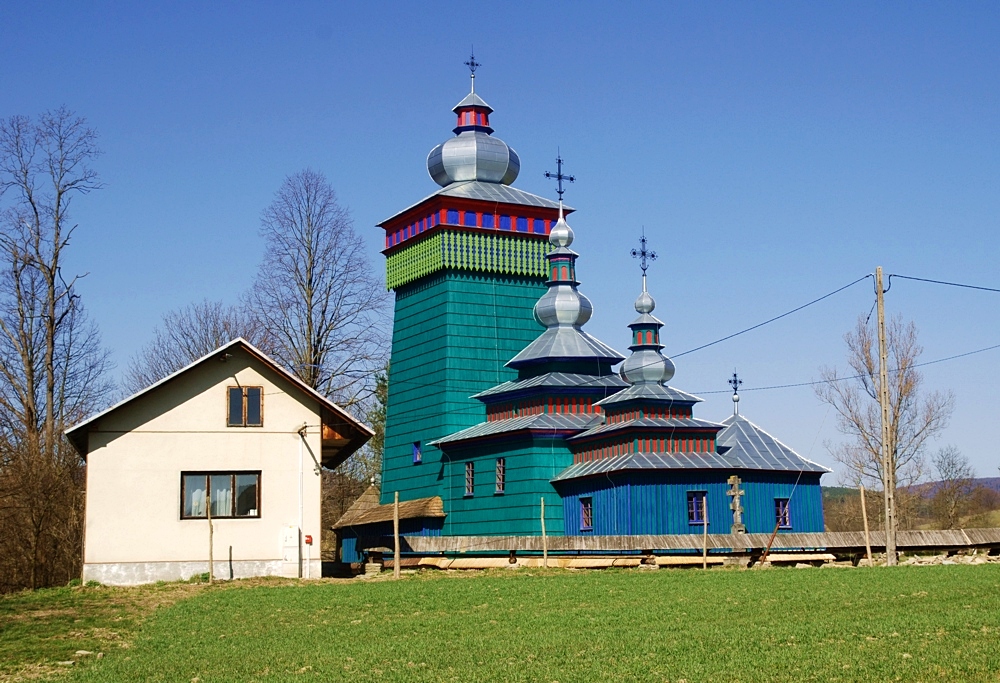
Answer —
452 334
629 503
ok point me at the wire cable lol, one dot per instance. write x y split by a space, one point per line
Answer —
766 322
941 282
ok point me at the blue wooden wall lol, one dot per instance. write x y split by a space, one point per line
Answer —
656 502
409 527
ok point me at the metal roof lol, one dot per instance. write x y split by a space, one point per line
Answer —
651 461
554 380
565 343
472 100
539 422
490 192
650 422
654 393
759 450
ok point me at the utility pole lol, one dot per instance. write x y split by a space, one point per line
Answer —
888 455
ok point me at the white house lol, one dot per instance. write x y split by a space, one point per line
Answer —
233 428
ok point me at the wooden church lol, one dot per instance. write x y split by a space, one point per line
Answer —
499 399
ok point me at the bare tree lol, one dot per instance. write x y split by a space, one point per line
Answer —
317 294
954 493
187 334
913 418
52 366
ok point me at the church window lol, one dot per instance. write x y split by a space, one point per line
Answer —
505 222
470 478
565 273
696 507
782 513
487 220
539 226
418 456
246 407
586 514
470 219
501 475
522 224
452 217
649 336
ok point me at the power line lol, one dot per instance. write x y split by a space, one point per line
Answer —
940 282
779 317
844 379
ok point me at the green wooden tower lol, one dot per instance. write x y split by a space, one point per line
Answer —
467 265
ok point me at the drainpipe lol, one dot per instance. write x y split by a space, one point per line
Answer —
302 438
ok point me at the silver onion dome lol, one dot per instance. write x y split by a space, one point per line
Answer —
562 304
646 365
561 234
473 155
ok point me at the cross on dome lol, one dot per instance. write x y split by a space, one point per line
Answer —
735 382
560 176
473 65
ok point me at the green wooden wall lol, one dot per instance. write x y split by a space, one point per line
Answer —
531 462
452 333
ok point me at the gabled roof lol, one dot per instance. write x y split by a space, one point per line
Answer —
357 432
363 512
490 192
745 441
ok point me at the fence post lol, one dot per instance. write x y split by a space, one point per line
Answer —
545 541
395 537
864 516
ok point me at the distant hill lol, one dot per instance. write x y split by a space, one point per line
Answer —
991 483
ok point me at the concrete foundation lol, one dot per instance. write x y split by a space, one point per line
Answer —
135 573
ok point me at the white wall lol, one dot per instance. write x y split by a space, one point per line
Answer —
134 528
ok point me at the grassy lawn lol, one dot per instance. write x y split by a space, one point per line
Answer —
907 623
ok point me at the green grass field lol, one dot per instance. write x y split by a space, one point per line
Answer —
937 623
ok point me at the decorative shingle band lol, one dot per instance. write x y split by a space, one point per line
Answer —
487 253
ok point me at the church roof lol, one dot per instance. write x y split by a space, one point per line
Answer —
565 343
490 192
749 443
662 422
651 461
653 393
554 380
550 422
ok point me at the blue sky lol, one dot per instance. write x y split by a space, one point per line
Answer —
772 151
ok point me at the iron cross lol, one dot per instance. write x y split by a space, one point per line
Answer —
472 63
643 254
559 176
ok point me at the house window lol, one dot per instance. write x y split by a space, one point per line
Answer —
418 456
470 478
233 494
782 513
246 407
501 475
696 507
586 514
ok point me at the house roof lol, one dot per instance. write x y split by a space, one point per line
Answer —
366 510
752 445
357 432
741 445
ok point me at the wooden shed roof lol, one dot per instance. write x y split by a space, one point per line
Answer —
366 509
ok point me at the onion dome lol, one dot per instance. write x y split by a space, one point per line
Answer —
473 154
562 304
646 365
563 310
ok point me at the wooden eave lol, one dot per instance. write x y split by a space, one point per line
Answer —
418 508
